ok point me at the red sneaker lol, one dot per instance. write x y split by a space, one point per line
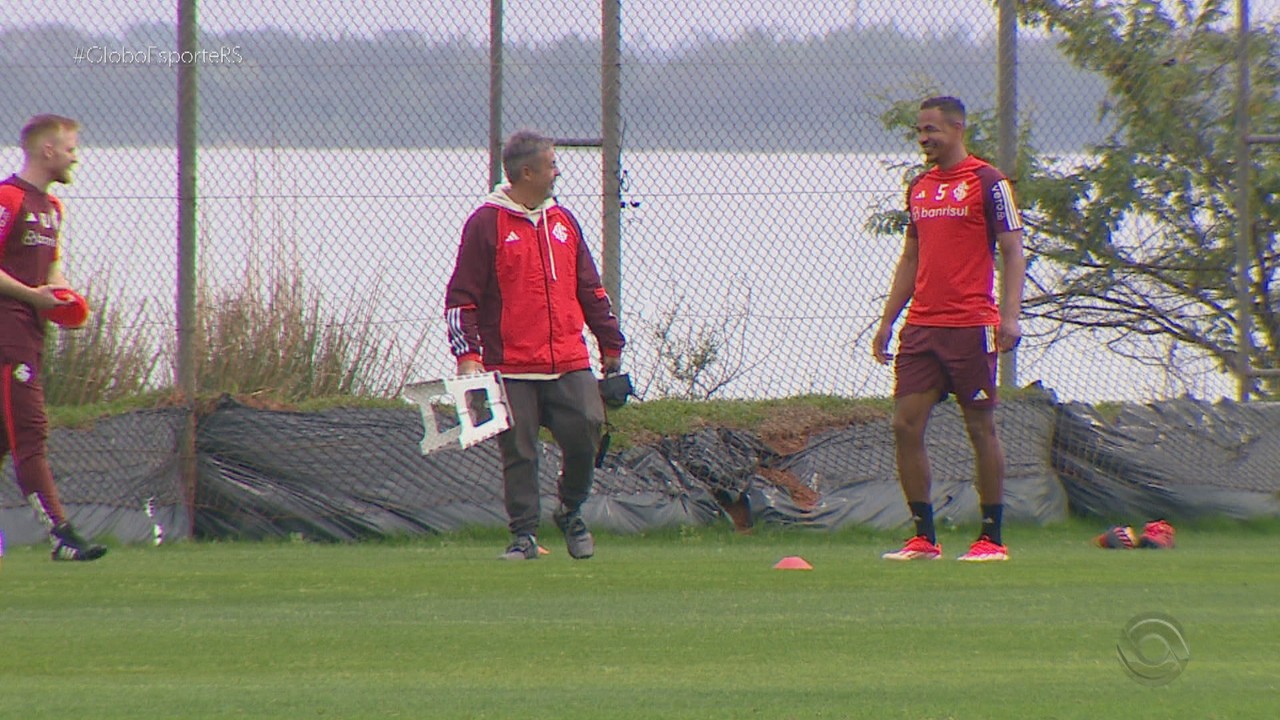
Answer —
917 548
983 550
1120 537
1157 534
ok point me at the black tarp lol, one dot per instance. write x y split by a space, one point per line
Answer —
1173 459
853 470
350 473
346 474
106 474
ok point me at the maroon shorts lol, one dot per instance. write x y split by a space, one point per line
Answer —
960 361
24 427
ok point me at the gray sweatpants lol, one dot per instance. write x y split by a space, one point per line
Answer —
570 407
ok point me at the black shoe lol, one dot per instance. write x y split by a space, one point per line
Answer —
68 545
524 547
576 535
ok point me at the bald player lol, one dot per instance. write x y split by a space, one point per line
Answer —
29 276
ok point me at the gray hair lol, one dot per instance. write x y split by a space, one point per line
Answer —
520 150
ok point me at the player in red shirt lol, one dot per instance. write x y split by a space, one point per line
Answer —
962 211
30 219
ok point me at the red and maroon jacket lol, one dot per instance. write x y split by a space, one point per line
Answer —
522 290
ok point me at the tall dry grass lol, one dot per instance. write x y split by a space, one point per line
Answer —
110 358
274 339
271 340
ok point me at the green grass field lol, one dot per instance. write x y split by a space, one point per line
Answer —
684 624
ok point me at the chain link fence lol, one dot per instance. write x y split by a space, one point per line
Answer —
341 148
765 147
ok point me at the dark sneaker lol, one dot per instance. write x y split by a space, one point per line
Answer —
1120 537
524 547
68 545
576 535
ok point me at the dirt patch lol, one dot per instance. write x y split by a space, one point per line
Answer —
788 428
802 495
739 512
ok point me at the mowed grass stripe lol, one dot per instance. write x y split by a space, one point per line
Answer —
690 623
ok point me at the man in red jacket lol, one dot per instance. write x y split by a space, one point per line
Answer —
30 219
523 288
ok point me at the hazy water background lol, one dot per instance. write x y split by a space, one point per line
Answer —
766 253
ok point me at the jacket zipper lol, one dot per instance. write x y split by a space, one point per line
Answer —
546 284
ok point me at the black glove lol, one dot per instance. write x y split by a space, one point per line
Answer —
615 389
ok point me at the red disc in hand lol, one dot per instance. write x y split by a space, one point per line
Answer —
71 315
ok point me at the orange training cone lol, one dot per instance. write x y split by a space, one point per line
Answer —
792 562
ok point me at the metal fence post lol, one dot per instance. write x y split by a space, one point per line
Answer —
611 149
1244 239
495 93
1007 115
188 137
1245 139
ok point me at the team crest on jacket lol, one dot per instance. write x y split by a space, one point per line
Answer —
22 373
960 192
560 232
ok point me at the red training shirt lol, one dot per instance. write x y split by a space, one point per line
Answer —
29 224
956 215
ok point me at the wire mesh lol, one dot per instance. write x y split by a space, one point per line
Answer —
342 146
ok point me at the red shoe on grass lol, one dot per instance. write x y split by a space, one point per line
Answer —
983 550
1157 535
917 548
